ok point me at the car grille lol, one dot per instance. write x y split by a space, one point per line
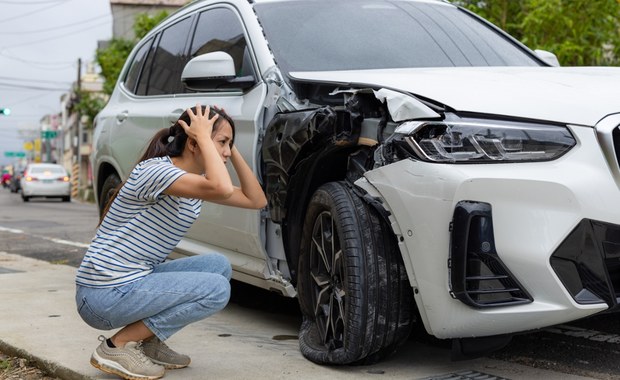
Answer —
588 262
478 277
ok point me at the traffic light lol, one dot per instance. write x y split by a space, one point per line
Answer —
5 111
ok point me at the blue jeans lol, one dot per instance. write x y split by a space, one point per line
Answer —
175 294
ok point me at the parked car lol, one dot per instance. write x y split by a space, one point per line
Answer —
421 166
45 180
15 184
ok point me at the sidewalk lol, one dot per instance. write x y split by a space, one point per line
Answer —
38 321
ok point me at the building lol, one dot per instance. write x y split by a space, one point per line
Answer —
72 145
124 13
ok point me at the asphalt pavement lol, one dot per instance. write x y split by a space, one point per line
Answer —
38 321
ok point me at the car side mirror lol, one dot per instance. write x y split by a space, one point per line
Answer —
214 72
547 56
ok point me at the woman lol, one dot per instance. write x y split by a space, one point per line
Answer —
123 280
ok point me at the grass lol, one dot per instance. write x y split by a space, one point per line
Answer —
12 368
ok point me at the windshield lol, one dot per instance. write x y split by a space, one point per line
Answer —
374 34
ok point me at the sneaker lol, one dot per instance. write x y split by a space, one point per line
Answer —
160 353
128 362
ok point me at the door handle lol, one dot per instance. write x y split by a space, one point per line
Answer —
174 116
121 117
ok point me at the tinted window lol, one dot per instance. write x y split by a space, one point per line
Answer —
133 74
146 72
47 170
370 34
220 30
169 59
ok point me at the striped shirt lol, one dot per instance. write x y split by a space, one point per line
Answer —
141 228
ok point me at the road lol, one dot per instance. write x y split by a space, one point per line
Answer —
59 232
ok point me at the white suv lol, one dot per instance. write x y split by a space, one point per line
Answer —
420 165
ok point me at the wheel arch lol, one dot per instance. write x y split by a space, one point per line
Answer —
301 151
302 185
104 170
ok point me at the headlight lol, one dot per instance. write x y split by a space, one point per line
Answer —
484 141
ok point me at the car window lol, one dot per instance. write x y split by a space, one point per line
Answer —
135 69
164 75
220 29
365 34
47 170
143 82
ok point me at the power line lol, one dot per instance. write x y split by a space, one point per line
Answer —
35 80
57 27
27 87
23 2
35 11
55 37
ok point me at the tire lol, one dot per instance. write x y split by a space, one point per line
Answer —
353 290
110 185
66 199
25 198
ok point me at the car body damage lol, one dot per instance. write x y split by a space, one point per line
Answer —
431 163
360 123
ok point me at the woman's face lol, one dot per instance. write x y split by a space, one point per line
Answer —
222 137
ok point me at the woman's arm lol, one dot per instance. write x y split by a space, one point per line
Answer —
249 194
201 156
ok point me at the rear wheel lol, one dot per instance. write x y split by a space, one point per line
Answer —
110 185
354 293
25 198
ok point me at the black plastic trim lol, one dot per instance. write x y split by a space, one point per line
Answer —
588 262
478 277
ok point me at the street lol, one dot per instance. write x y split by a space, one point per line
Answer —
59 233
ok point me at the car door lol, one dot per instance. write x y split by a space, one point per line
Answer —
233 231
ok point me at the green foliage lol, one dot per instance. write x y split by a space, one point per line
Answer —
145 22
5 364
506 14
89 104
112 58
578 32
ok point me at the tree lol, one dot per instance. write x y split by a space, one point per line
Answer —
578 32
89 104
112 58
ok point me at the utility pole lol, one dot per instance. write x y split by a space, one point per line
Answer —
77 162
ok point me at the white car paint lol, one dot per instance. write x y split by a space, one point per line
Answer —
579 95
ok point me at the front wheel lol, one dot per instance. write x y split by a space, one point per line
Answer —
353 290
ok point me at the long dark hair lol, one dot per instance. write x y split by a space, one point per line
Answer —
171 142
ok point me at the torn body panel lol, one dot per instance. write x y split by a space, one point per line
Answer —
294 136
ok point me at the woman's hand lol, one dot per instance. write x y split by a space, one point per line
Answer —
200 125
207 176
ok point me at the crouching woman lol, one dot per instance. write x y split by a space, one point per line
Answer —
123 281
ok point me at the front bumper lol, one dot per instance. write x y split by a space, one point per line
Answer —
535 207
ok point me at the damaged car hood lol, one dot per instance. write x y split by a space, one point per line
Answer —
575 95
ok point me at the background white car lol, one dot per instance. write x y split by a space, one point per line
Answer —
420 165
45 181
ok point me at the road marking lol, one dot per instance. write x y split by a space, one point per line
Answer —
55 240
66 242
11 230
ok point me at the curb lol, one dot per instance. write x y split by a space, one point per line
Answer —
51 368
